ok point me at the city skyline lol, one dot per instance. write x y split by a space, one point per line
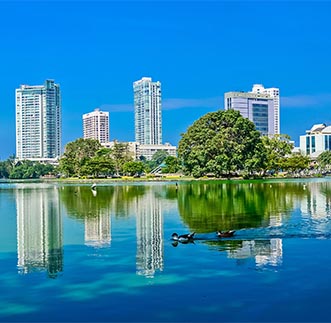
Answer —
208 49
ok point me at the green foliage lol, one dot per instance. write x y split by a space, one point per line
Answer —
76 155
222 143
7 166
27 169
159 157
295 162
171 165
324 159
98 166
86 157
121 155
133 168
276 148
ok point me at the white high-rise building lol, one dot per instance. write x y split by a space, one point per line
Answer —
96 126
274 93
147 107
38 122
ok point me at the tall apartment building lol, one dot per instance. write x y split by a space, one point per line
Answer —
96 125
147 107
259 108
38 122
274 93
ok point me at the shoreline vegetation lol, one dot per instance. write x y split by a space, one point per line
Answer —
221 145
160 178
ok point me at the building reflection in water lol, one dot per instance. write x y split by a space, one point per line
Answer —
318 201
149 234
265 252
39 230
98 230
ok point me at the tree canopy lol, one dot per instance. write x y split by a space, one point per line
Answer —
324 159
222 143
86 157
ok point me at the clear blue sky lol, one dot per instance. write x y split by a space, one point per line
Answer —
198 50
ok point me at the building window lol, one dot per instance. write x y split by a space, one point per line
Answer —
307 145
313 149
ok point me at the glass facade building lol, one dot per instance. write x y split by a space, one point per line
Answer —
274 93
147 107
258 108
38 122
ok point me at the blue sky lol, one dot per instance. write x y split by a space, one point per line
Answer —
198 50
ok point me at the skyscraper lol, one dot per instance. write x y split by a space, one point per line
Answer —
274 93
96 126
259 108
38 121
147 107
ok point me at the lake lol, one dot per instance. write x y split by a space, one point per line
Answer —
72 254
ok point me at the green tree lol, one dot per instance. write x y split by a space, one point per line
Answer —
277 148
324 159
98 166
159 157
295 162
133 167
221 143
27 169
76 154
7 166
171 165
121 154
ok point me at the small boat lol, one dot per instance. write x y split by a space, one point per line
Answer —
225 234
94 186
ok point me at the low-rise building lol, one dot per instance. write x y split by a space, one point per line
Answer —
146 151
316 140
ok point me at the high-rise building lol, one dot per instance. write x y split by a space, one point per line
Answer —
259 108
274 93
38 122
96 126
147 107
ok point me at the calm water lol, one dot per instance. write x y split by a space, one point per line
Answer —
70 255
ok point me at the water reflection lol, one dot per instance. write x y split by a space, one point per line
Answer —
215 206
263 215
264 252
149 234
98 230
317 203
39 230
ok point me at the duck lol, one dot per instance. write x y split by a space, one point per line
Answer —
225 234
183 237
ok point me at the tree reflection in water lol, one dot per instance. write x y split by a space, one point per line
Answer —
212 206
